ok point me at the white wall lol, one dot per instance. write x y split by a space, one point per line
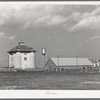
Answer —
30 63
17 60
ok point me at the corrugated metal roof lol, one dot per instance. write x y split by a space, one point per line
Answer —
22 48
71 61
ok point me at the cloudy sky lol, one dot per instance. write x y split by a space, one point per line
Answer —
65 30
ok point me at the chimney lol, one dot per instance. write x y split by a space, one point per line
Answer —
21 43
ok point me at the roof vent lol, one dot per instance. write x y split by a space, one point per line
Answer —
21 43
31 48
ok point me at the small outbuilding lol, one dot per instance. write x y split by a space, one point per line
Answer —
96 62
68 63
22 57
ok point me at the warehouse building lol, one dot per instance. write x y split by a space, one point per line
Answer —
59 64
22 57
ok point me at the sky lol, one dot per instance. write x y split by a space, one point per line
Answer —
64 30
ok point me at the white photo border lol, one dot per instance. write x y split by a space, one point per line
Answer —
40 94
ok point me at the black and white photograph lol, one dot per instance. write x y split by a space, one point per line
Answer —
49 46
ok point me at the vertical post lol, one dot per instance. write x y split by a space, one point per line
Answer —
77 60
58 60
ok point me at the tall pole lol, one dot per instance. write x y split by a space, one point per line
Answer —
58 60
77 60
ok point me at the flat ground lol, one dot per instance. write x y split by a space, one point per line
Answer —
50 80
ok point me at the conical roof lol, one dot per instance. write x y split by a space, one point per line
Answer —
22 48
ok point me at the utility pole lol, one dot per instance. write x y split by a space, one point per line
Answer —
58 62
77 60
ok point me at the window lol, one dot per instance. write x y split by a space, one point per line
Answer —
25 58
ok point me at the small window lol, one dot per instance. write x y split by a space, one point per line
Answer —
25 53
25 58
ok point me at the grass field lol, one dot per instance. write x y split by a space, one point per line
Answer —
49 80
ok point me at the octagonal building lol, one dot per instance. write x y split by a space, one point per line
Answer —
22 57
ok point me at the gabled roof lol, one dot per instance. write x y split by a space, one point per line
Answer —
94 60
71 61
22 48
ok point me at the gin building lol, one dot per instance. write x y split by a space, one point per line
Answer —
22 57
